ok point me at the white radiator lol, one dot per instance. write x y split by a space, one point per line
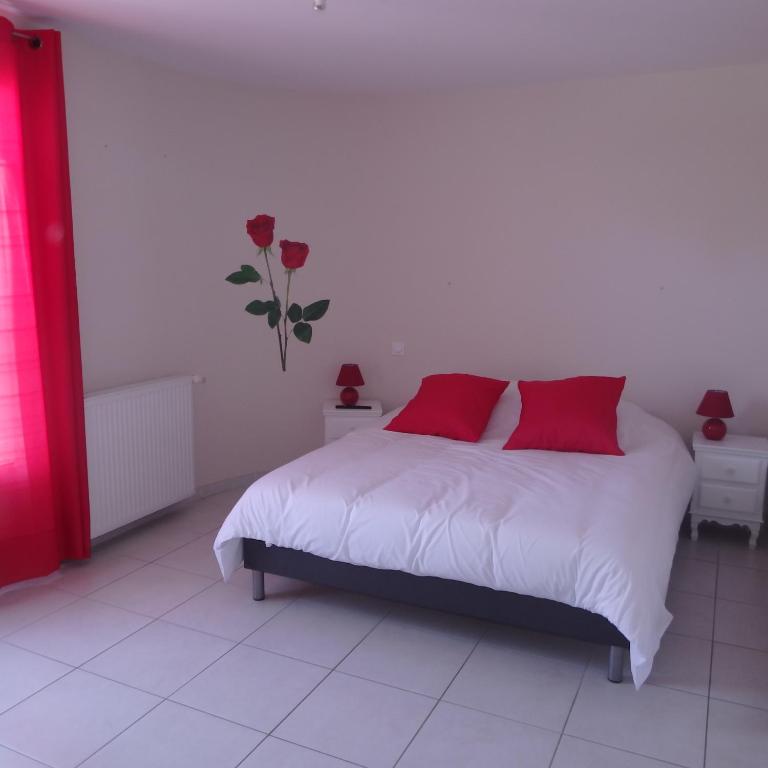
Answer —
140 450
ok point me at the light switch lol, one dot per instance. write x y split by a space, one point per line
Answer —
398 347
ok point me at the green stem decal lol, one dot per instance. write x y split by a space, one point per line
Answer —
285 317
277 304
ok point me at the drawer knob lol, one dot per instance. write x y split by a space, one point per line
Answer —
730 471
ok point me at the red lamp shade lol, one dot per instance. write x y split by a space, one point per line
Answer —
717 406
350 376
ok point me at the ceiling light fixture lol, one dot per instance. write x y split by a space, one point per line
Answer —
319 5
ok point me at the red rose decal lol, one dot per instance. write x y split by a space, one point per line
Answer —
293 255
261 230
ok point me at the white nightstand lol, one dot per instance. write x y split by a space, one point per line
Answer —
730 483
339 421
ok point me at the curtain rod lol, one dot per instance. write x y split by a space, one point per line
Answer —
34 41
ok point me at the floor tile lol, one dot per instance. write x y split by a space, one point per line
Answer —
532 689
703 549
211 518
227 610
195 557
741 555
205 518
23 606
741 624
420 651
273 753
84 577
367 723
740 675
153 590
737 737
193 519
455 737
681 662
655 722
575 753
514 686
172 735
9 759
694 576
743 585
78 631
147 542
72 718
224 499
251 687
159 658
321 629
693 615
541 644
23 673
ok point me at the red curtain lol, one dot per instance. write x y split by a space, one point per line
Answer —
44 516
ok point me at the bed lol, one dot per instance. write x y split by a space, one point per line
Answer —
579 545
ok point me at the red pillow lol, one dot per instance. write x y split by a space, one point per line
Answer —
454 405
577 415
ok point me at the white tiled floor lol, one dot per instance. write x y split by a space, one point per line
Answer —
144 657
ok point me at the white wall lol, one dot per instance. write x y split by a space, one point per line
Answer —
614 226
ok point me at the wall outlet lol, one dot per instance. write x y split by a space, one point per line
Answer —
398 347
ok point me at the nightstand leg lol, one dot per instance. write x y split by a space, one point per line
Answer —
754 532
258 584
695 528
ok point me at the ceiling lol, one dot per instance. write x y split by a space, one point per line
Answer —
376 45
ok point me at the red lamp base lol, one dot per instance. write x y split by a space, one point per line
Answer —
349 396
714 429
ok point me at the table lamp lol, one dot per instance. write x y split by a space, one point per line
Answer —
716 405
349 378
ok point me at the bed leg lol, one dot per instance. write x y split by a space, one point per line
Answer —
616 664
258 584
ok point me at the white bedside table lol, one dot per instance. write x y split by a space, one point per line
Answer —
730 483
339 421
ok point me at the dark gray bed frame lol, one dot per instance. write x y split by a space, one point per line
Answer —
533 613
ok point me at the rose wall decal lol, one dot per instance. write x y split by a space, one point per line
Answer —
261 230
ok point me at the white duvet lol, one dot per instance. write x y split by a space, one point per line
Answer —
596 532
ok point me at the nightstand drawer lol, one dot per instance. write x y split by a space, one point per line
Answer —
340 421
729 499
734 469
340 426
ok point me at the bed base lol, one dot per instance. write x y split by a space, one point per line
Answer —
523 611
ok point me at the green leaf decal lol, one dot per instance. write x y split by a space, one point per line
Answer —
303 332
246 274
294 313
315 310
257 307
273 317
